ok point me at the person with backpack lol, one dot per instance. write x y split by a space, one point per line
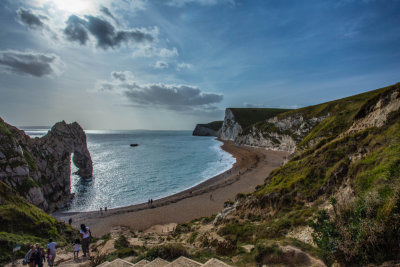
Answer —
29 257
86 239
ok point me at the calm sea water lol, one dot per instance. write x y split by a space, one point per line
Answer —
164 163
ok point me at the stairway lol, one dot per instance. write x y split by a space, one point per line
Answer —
179 262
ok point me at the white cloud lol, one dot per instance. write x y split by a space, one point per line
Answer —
161 65
183 65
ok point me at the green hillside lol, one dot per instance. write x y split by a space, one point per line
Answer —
24 224
357 175
248 116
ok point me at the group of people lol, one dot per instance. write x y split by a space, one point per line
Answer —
150 201
36 256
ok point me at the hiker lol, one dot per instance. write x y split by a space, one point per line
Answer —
77 248
151 201
86 238
105 209
29 257
70 221
51 252
37 256
42 256
101 210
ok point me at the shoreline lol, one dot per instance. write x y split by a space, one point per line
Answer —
251 168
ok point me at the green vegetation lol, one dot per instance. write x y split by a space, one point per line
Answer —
248 116
365 227
167 252
215 125
23 223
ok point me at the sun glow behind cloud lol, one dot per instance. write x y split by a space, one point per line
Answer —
70 6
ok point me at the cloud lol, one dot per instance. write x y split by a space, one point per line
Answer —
106 12
121 75
252 105
76 30
153 51
164 52
183 65
27 17
181 3
29 63
105 34
161 65
176 97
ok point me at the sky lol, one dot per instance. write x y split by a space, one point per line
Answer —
170 64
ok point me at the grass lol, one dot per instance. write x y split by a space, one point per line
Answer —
248 116
215 125
24 223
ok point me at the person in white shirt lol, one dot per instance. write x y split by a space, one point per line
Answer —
51 252
77 248
86 239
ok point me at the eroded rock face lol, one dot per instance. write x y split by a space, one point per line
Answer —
281 134
39 169
230 127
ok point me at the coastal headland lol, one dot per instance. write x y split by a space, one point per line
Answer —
252 166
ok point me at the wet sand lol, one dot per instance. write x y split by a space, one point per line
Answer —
252 166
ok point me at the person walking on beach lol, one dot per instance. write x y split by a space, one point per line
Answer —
77 248
37 256
86 238
51 252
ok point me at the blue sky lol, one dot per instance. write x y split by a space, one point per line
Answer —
170 64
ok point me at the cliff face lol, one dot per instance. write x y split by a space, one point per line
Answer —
230 127
279 133
39 169
209 129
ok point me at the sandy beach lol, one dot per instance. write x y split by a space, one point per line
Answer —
252 166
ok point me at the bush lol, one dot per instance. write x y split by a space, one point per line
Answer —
268 254
360 233
168 252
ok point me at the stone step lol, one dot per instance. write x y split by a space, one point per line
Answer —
184 262
120 263
104 264
158 262
141 263
215 263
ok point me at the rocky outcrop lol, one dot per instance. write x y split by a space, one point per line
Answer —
376 112
209 129
39 169
230 127
282 134
201 130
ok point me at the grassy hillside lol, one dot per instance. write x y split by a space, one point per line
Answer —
347 187
24 224
248 116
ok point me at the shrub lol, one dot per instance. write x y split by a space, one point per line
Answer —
167 252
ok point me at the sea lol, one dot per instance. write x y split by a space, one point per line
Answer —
163 163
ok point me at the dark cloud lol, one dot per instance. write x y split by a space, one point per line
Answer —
108 13
76 30
119 75
105 34
34 64
174 97
30 19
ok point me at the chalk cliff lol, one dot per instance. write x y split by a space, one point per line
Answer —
39 169
209 129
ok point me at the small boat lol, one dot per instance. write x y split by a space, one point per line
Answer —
134 144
